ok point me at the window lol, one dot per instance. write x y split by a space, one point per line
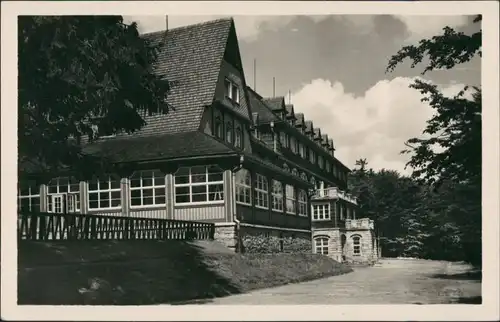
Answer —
320 161
321 212
327 166
238 140
229 132
104 193
356 245
284 139
218 127
302 151
28 196
261 194
147 188
232 91
199 184
63 195
243 187
312 156
290 199
340 208
277 195
321 245
302 203
293 144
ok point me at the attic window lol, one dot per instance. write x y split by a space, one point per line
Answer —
232 91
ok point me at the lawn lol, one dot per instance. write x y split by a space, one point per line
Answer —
153 272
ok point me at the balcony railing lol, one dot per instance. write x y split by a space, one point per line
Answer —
50 226
334 193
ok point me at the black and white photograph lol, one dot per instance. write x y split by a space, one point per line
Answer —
242 157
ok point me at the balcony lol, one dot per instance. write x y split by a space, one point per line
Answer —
363 223
334 193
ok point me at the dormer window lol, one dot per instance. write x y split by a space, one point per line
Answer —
232 91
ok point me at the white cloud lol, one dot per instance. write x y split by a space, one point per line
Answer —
417 27
420 27
374 125
249 27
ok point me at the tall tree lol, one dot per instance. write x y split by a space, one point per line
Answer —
455 129
81 77
451 150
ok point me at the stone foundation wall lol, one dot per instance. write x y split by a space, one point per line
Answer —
226 234
262 240
368 250
334 242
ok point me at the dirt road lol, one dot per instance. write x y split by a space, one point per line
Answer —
390 282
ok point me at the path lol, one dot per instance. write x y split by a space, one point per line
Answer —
392 282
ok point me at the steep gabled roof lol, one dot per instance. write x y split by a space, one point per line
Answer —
317 133
309 126
275 103
331 144
257 105
290 113
324 140
189 58
300 119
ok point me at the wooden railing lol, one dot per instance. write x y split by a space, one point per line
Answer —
51 226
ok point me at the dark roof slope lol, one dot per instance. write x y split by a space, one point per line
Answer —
300 117
276 103
266 115
178 145
189 58
289 111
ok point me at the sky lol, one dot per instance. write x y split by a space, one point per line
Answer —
332 68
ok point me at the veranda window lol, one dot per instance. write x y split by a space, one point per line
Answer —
290 199
321 245
321 212
243 187
277 196
199 185
302 203
261 191
104 193
63 195
28 196
147 188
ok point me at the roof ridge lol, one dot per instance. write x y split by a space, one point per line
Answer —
199 24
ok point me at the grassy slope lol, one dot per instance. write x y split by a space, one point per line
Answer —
151 272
